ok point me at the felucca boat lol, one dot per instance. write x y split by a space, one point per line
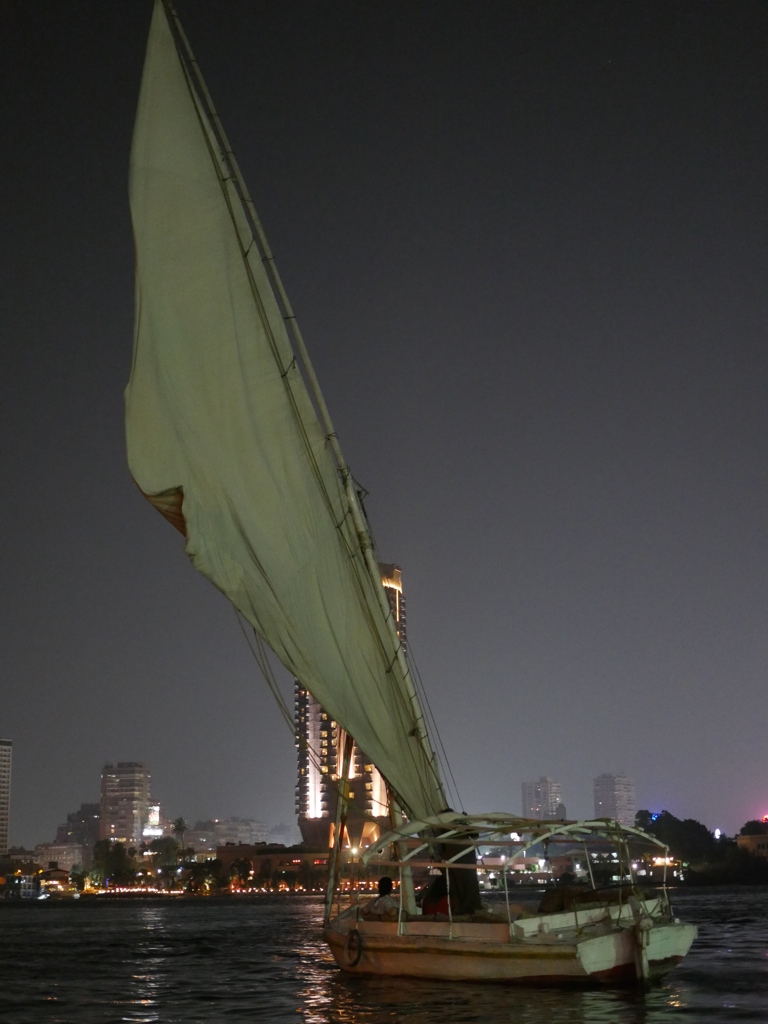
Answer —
579 934
229 437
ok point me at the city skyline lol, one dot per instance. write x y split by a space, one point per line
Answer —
526 250
127 804
127 812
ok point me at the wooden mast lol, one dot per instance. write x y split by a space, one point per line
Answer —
342 806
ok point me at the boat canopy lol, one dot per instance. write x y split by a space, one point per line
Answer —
460 833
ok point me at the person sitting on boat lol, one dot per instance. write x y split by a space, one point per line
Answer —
434 898
384 905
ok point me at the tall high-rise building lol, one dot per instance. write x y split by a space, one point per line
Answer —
6 757
125 801
615 798
320 743
543 799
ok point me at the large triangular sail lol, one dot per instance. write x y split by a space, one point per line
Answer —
224 438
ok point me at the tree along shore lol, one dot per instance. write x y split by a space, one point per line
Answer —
708 859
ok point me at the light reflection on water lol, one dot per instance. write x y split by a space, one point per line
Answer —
357 1000
481 1003
215 962
145 988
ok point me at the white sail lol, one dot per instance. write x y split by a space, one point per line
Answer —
219 420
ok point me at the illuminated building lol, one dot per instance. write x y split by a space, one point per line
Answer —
543 799
615 798
153 826
6 755
320 743
206 836
125 802
237 831
63 855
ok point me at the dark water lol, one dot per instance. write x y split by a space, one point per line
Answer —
203 962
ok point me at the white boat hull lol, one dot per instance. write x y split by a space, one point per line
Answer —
597 947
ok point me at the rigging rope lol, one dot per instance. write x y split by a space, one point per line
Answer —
440 752
262 660
261 655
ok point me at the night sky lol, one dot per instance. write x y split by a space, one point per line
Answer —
526 242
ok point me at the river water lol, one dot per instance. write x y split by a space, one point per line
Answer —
220 961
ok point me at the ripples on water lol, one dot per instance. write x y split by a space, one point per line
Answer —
215 962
